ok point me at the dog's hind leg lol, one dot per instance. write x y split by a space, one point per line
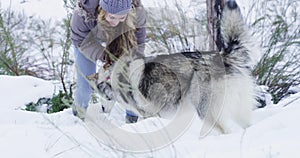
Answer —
206 104
245 100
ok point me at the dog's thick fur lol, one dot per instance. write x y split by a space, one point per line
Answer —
218 84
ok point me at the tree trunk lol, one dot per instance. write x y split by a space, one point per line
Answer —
214 10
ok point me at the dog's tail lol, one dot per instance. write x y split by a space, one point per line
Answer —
238 49
232 98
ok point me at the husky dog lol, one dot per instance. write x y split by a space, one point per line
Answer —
218 84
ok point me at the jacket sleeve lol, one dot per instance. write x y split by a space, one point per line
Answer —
83 20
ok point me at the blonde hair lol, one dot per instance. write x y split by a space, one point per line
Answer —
125 42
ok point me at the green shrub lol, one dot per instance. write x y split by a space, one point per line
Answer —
55 104
278 27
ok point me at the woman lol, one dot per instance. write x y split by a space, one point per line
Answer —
103 31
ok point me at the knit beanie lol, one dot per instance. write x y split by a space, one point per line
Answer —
119 7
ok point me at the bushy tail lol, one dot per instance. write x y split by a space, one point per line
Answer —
239 49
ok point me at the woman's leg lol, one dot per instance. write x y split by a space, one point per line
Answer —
84 67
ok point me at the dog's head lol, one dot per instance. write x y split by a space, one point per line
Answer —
100 82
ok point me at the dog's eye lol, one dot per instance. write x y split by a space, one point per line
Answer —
101 86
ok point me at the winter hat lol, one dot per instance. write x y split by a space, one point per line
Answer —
119 7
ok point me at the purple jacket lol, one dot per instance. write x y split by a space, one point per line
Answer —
89 37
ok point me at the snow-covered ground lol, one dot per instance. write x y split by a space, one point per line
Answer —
274 134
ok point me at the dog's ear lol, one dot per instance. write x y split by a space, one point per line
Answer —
93 77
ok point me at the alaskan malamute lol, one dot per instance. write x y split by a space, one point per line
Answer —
218 84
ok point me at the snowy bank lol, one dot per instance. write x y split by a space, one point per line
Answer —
29 134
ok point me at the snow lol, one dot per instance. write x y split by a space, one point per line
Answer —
45 9
274 134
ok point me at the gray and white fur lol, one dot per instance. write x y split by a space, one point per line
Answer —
219 84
